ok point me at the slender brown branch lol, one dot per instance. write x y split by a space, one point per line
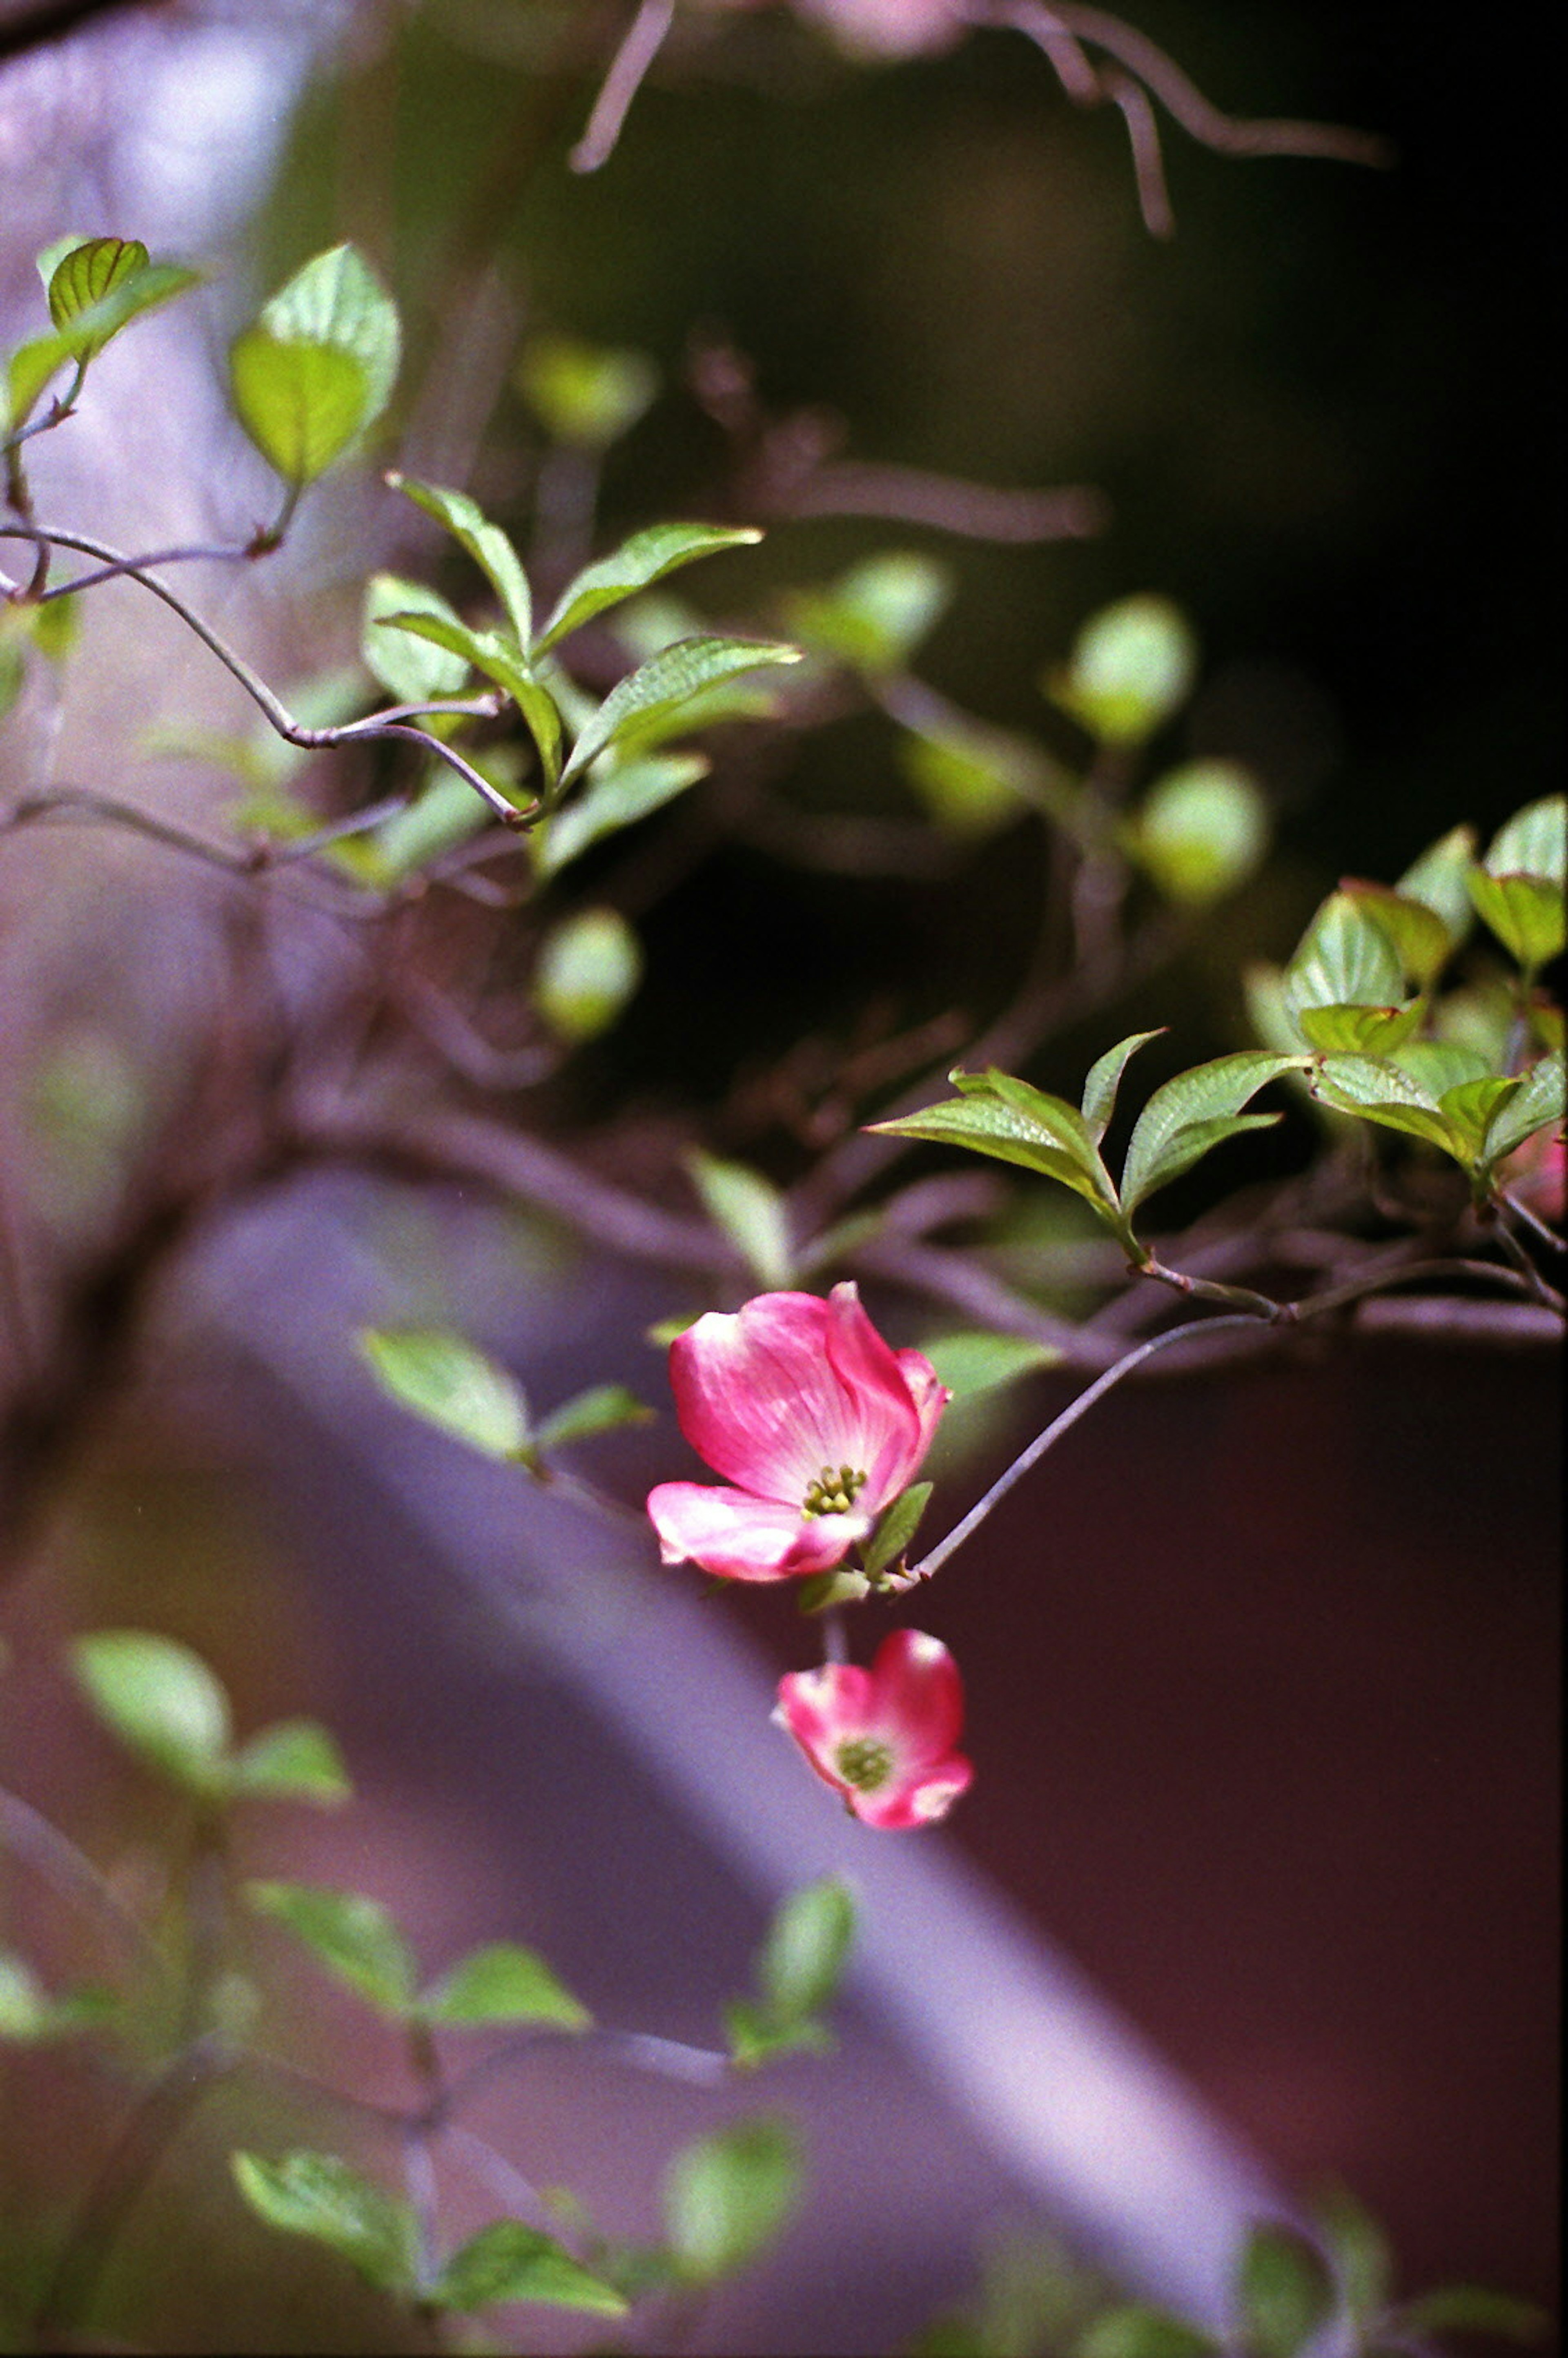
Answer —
644 39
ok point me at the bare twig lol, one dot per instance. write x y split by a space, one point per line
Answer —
644 39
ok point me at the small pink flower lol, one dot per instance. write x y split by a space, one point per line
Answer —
884 1738
802 1406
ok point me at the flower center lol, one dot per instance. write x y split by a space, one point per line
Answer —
834 1492
864 1762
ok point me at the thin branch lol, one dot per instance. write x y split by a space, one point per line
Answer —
29 1836
1147 163
644 40
1541 1230
1055 1430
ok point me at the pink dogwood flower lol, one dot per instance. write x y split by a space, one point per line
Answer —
815 1421
884 1738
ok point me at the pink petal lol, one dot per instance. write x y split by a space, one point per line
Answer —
739 1537
917 1802
929 1394
788 1384
920 1696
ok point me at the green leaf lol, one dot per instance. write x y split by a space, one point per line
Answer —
589 966
874 617
318 367
728 2196
502 1983
1539 1099
751 1211
1363 2261
29 2016
302 403
450 1384
1381 1092
610 802
973 1361
602 1408
446 812
1133 2330
318 2195
1526 913
1360 1031
86 273
509 2261
803 1956
1436 1065
636 564
1469 1110
1344 960
1193 1113
662 691
411 669
161 1699
1201 832
1423 941
1284 2291
485 543
755 2038
1534 842
585 394
499 660
352 1936
1132 665
896 1527
1105 1079
973 780
1471 2309
31 367
999 1116
822 1590
1439 879
295 1759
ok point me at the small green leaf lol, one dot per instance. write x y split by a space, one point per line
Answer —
1470 1109
351 1935
32 365
302 403
161 1699
751 1211
1539 1100
1423 941
608 803
502 1983
728 2196
509 2261
636 564
659 695
1439 879
1284 2291
802 1957
1360 1031
1363 2261
499 660
29 2016
585 394
755 2038
1470 2308
337 301
413 670
1105 1079
1133 2330
875 616
1526 913
1132 665
450 1384
822 1590
1381 1092
589 966
86 273
999 1116
55 627
295 1759
602 1408
1201 832
1344 960
1191 1114
1534 842
973 780
485 543
896 1527
1436 1065
974 1361
318 2195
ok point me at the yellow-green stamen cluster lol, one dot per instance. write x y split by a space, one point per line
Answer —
834 1493
864 1763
